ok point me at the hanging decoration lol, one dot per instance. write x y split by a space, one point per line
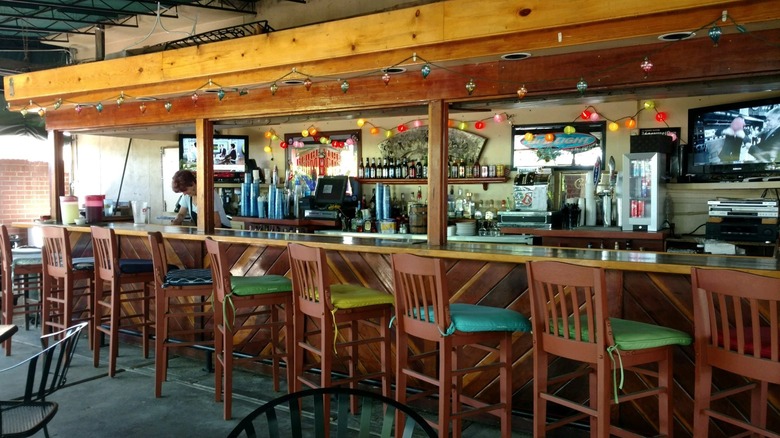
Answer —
295 77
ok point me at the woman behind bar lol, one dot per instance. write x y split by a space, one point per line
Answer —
184 182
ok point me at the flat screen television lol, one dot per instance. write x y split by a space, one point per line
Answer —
230 153
734 141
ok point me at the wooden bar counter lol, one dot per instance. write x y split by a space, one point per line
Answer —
645 286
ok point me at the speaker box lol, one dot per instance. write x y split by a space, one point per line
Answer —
652 143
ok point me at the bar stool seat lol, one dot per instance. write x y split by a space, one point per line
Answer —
335 323
424 313
68 282
123 306
20 276
570 320
247 305
180 295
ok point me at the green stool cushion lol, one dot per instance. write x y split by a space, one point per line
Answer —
635 335
264 284
350 296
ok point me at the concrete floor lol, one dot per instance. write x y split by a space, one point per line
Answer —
94 405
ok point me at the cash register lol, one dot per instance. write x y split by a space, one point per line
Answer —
333 193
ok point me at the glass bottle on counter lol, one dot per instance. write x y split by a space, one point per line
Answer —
459 201
451 203
373 168
419 169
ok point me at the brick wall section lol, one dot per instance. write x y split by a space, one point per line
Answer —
24 193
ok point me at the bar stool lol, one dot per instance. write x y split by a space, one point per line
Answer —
180 295
424 312
67 284
120 308
737 330
248 305
333 307
570 320
20 276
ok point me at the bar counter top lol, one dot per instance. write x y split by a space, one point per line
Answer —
624 260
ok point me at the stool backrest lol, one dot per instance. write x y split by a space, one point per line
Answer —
220 271
568 306
6 271
105 250
420 293
56 254
310 278
737 322
159 258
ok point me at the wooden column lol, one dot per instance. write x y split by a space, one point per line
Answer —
204 133
56 173
438 149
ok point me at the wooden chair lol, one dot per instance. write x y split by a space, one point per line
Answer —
302 414
737 330
47 371
569 306
248 305
67 283
424 313
20 277
180 297
120 308
338 311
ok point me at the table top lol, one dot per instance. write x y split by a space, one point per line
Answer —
6 331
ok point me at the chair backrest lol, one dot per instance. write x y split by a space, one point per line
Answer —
310 278
737 322
6 271
47 370
220 271
159 258
56 254
283 416
422 304
106 252
568 309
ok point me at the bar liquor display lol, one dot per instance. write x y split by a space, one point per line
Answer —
643 191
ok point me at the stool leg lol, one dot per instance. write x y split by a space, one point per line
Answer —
161 334
665 414
275 329
299 328
227 356
289 342
505 383
701 400
541 373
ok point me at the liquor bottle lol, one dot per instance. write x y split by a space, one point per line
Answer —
419 169
476 170
373 168
425 168
405 169
469 170
372 203
467 206
454 168
361 169
384 167
367 170
459 201
461 169
399 173
412 170
451 203
390 168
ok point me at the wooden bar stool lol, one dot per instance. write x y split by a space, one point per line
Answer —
338 312
120 308
737 330
180 296
67 284
424 313
20 276
570 320
245 306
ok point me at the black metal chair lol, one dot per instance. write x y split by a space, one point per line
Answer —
302 414
46 372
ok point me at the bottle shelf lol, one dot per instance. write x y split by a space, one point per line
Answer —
419 181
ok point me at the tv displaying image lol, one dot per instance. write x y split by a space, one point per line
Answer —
738 139
230 152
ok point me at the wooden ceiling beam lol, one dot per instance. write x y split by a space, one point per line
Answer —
450 33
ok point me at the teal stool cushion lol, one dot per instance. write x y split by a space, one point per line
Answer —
265 284
350 296
472 318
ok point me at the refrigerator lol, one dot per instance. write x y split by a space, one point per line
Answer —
643 191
